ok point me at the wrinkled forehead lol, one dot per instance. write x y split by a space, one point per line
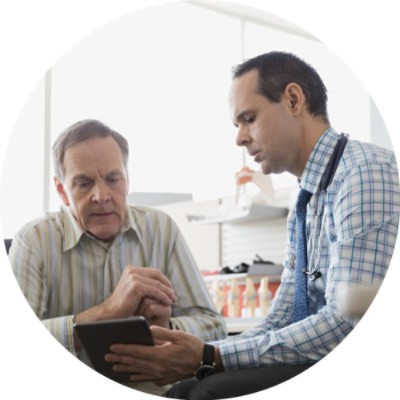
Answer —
96 154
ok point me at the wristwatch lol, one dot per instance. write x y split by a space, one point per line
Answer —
207 365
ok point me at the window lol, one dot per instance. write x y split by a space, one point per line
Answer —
161 77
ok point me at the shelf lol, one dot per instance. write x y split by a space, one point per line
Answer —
237 325
241 277
238 215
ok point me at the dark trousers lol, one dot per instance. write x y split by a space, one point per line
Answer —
234 383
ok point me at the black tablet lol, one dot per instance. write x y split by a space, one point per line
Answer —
96 338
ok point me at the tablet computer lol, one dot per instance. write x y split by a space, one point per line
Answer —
96 338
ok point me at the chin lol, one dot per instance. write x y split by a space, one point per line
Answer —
266 168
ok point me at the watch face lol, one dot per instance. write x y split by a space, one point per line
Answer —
204 371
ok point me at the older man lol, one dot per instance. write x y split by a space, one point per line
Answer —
99 258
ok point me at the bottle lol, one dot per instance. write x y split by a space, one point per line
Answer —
249 298
264 296
218 296
234 299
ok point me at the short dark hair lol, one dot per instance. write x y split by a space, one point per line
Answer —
79 132
277 69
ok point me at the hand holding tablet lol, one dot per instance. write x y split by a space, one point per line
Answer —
96 338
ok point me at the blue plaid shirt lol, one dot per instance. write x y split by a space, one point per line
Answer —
351 242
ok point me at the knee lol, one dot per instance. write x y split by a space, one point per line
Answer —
200 393
181 390
191 389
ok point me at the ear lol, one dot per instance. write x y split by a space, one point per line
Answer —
295 98
61 191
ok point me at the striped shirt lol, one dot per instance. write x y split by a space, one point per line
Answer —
62 270
351 242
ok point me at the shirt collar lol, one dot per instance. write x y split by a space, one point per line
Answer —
73 232
318 161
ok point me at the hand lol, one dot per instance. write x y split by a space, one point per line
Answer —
155 312
136 284
175 355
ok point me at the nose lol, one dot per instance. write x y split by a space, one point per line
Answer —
100 193
242 138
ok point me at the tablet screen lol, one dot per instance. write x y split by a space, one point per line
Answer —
97 336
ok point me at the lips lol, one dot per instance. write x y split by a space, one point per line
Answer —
102 214
256 155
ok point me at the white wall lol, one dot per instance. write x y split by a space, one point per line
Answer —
22 183
161 77
365 34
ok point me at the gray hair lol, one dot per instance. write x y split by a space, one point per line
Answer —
79 132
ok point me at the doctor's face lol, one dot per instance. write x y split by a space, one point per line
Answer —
95 186
266 129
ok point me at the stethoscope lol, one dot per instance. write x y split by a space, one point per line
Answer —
312 270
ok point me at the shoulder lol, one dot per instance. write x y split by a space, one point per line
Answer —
359 154
49 221
365 166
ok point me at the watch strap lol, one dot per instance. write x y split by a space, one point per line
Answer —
208 355
207 365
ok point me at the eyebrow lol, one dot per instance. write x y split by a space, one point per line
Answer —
114 173
79 177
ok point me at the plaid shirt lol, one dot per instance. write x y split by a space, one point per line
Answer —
351 234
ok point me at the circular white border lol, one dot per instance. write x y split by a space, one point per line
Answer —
36 33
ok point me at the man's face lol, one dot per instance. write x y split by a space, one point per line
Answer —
268 130
95 186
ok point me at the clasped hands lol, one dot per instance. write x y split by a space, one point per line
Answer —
149 293
142 291
176 354
139 291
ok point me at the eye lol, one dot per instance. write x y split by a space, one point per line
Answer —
112 180
83 185
250 119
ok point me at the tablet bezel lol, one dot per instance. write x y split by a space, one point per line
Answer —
96 338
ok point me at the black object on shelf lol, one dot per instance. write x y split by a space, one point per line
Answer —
241 268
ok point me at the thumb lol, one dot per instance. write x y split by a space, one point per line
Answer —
162 334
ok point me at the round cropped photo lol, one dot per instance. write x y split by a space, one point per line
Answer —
210 201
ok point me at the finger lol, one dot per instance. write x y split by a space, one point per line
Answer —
154 311
132 352
151 273
144 304
142 378
164 335
147 304
156 289
143 370
158 342
121 359
148 283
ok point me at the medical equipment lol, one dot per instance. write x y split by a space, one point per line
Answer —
312 270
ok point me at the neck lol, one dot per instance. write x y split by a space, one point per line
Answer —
311 133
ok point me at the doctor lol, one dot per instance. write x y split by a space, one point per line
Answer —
349 198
